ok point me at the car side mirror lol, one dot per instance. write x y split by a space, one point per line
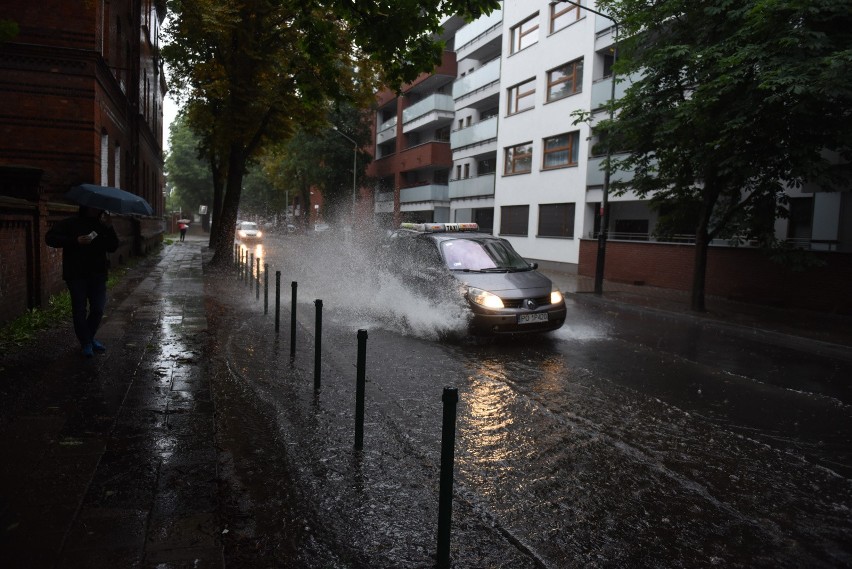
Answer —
533 266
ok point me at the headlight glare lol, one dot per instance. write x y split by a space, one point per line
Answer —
555 296
484 298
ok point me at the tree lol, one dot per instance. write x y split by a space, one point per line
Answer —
189 175
733 103
254 72
319 159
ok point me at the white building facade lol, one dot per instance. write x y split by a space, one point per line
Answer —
522 165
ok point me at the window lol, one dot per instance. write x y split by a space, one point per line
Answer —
524 34
522 96
467 171
562 14
515 220
487 166
561 150
104 158
556 220
518 159
117 166
565 80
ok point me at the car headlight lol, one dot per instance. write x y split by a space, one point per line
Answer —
241 233
484 298
555 296
259 234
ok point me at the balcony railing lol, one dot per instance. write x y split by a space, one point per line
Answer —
480 186
432 103
477 29
481 131
386 131
424 193
482 77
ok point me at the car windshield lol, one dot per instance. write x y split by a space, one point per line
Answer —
249 226
481 255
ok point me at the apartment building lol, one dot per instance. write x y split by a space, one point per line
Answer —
492 137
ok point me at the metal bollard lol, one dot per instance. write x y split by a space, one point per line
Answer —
294 286
360 382
250 270
236 255
450 398
277 300
257 280
318 345
266 288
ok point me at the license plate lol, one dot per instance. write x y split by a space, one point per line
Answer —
532 318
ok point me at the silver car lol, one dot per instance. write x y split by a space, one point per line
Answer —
505 293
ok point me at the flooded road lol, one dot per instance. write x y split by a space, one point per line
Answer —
622 440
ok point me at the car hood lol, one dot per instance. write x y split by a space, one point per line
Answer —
524 284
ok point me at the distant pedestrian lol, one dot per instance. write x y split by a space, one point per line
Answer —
183 227
85 240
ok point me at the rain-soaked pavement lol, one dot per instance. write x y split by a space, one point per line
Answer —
625 439
629 438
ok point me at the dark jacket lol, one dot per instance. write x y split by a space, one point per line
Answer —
82 261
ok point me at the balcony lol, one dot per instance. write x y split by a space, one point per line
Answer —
435 108
480 186
475 134
473 37
384 202
424 193
386 131
478 82
595 176
602 89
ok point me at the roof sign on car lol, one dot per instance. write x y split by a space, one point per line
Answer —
440 227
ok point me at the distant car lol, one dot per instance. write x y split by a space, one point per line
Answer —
248 233
505 293
320 227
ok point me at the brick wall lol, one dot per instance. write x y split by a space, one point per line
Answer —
735 273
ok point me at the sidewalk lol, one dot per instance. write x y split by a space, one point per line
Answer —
110 461
783 324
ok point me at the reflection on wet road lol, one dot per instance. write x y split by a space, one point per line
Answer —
618 441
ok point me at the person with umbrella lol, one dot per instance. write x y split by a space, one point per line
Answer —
85 240
183 225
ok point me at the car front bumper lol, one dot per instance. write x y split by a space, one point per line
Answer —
506 321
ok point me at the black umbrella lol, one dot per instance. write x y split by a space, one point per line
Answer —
111 199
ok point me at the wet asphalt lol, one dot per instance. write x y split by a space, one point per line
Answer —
116 461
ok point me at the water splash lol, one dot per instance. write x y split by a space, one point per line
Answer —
355 278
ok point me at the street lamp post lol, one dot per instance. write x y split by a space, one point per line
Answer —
602 234
354 165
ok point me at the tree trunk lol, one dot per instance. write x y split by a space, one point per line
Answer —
699 272
216 207
224 238
709 197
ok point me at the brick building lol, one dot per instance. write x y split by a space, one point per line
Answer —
81 92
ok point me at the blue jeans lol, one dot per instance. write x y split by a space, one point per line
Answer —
92 292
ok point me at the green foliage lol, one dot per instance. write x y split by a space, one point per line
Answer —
190 179
8 30
731 104
24 328
322 159
253 73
